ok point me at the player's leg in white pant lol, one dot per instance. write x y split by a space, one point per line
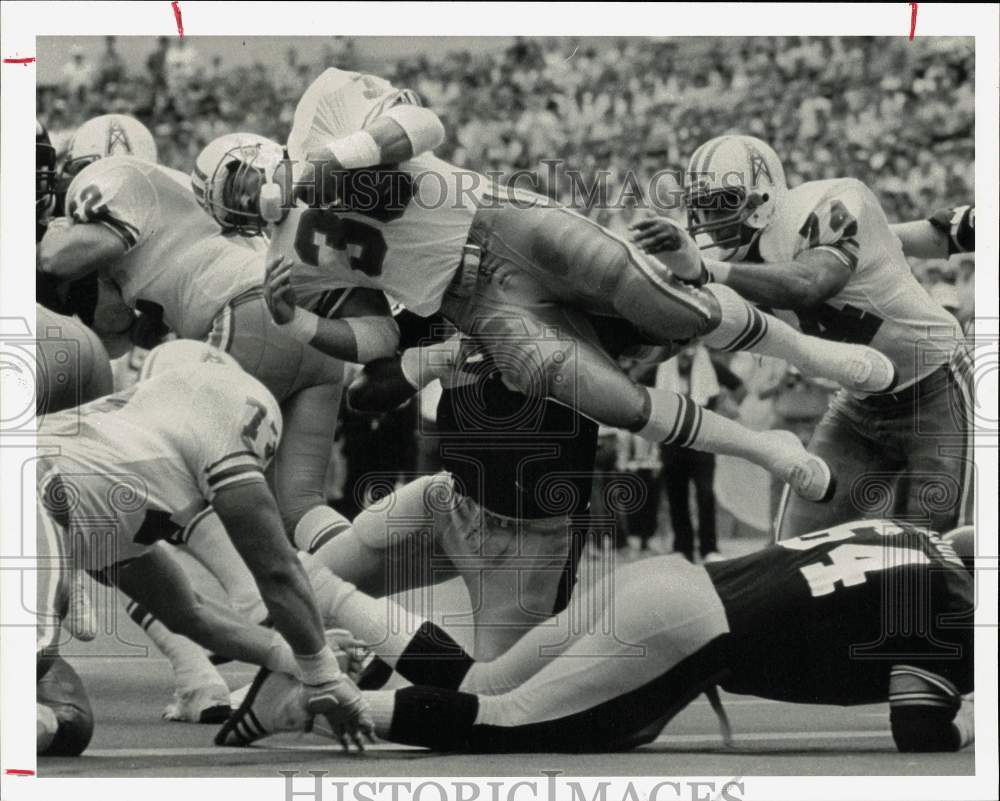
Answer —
389 547
201 694
310 419
205 539
50 582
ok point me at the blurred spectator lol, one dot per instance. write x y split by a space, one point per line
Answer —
112 68
693 375
78 76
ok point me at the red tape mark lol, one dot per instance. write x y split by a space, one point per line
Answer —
25 61
15 771
913 19
177 18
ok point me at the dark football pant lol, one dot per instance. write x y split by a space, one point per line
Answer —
531 279
907 455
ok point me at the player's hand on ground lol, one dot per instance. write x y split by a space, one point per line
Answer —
351 652
343 707
278 291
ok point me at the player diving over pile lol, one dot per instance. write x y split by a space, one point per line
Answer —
524 276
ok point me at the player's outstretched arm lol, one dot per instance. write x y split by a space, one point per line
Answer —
386 383
398 134
157 581
944 234
72 250
809 280
364 330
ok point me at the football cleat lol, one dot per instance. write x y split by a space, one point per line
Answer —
273 703
206 704
807 474
857 368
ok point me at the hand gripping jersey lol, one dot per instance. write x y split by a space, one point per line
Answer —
882 304
410 223
176 257
827 617
126 470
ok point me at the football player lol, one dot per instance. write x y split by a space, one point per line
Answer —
825 254
826 618
374 207
128 217
940 236
120 474
516 468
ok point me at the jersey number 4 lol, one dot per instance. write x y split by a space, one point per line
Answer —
364 244
850 564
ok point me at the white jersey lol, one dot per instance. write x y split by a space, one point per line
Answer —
409 244
176 256
126 470
882 304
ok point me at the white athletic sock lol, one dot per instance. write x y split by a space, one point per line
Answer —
318 526
189 662
206 539
381 623
677 420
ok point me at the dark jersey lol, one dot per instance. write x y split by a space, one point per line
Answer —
517 455
825 617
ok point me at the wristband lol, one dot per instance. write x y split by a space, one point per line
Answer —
319 668
356 150
303 326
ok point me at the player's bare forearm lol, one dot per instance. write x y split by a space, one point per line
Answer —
921 240
805 282
357 339
71 251
157 581
398 135
251 519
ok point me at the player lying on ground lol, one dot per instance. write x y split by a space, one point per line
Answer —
825 252
153 457
375 208
128 216
826 618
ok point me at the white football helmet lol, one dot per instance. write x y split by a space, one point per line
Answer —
181 354
733 188
109 135
233 179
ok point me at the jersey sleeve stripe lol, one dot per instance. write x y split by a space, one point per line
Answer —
233 455
123 230
236 475
844 251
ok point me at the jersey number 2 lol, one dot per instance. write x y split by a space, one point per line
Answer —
365 246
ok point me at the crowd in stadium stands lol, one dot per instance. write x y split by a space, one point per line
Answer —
897 114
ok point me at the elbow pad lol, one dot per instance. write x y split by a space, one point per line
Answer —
376 337
423 127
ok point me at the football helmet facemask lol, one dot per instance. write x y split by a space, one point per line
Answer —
233 179
46 178
733 187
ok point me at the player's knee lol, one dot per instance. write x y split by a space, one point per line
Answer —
539 370
74 730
